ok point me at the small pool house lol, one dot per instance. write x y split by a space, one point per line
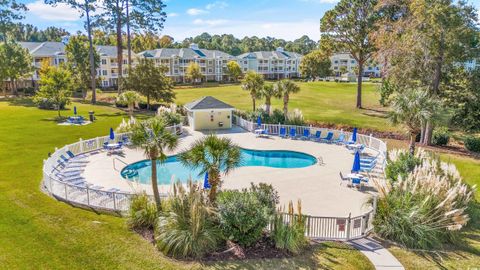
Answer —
209 113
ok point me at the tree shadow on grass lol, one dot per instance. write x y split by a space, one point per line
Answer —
20 101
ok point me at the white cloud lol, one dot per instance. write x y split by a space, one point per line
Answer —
217 4
60 12
173 14
210 22
195 11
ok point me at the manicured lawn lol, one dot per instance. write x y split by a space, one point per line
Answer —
38 232
325 102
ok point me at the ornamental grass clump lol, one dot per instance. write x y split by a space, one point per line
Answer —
426 208
288 229
188 227
142 212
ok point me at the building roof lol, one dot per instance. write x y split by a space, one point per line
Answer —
187 53
270 54
206 103
50 48
44 48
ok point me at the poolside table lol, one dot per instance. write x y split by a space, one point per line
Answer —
354 175
111 147
356 146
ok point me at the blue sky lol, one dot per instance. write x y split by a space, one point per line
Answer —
287 19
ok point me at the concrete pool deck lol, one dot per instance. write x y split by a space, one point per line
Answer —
318 186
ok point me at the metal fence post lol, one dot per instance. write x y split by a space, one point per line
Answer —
348 226
114 201
88 196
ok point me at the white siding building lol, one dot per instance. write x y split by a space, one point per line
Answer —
213 63
54 53
345 62
277 64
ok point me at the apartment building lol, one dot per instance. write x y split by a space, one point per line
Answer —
213 63
343 63
54 53
276 64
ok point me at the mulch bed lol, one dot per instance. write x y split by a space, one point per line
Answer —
263 249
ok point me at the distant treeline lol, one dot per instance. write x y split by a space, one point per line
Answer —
149 41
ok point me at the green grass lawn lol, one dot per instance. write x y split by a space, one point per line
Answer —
38 232
324 102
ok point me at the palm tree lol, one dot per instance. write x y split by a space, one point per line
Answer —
253 82
413 108
129 98
268 91
284 89
212 155
154 138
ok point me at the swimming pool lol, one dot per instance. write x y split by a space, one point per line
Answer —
173 169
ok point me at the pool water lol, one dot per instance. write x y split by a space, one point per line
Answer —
173 169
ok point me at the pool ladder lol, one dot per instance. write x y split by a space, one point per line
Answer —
114 167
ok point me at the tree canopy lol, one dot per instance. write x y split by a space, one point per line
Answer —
150 81
315 64
348 26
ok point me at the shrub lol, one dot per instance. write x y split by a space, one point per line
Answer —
472 144
401 163
142 212
441 136
267 195
295 118
290 236
171 118
188 228
424 209
242 215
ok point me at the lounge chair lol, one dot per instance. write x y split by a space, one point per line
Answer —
328 138
306 134
293 133
264 134
368 167
317 135
341 139
356 182
64 158
283 132
344 179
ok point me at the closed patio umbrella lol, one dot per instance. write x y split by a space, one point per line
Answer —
354 135
206 185
75 110
112 134
356 162
259 122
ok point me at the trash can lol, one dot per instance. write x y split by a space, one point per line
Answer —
91 115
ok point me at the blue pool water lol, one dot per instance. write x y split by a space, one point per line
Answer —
172 168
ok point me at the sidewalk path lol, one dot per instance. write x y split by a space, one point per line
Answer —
380 257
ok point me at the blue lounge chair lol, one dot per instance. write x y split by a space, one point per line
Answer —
368 167
70 154
328 138
283 132
317 135
356 181
64 158
341 139
306 134
293 133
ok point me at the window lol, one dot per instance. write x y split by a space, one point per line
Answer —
210 70
244 69
105 83
104 72
336 61
104 61
245 62
124 61
61 60
353 61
